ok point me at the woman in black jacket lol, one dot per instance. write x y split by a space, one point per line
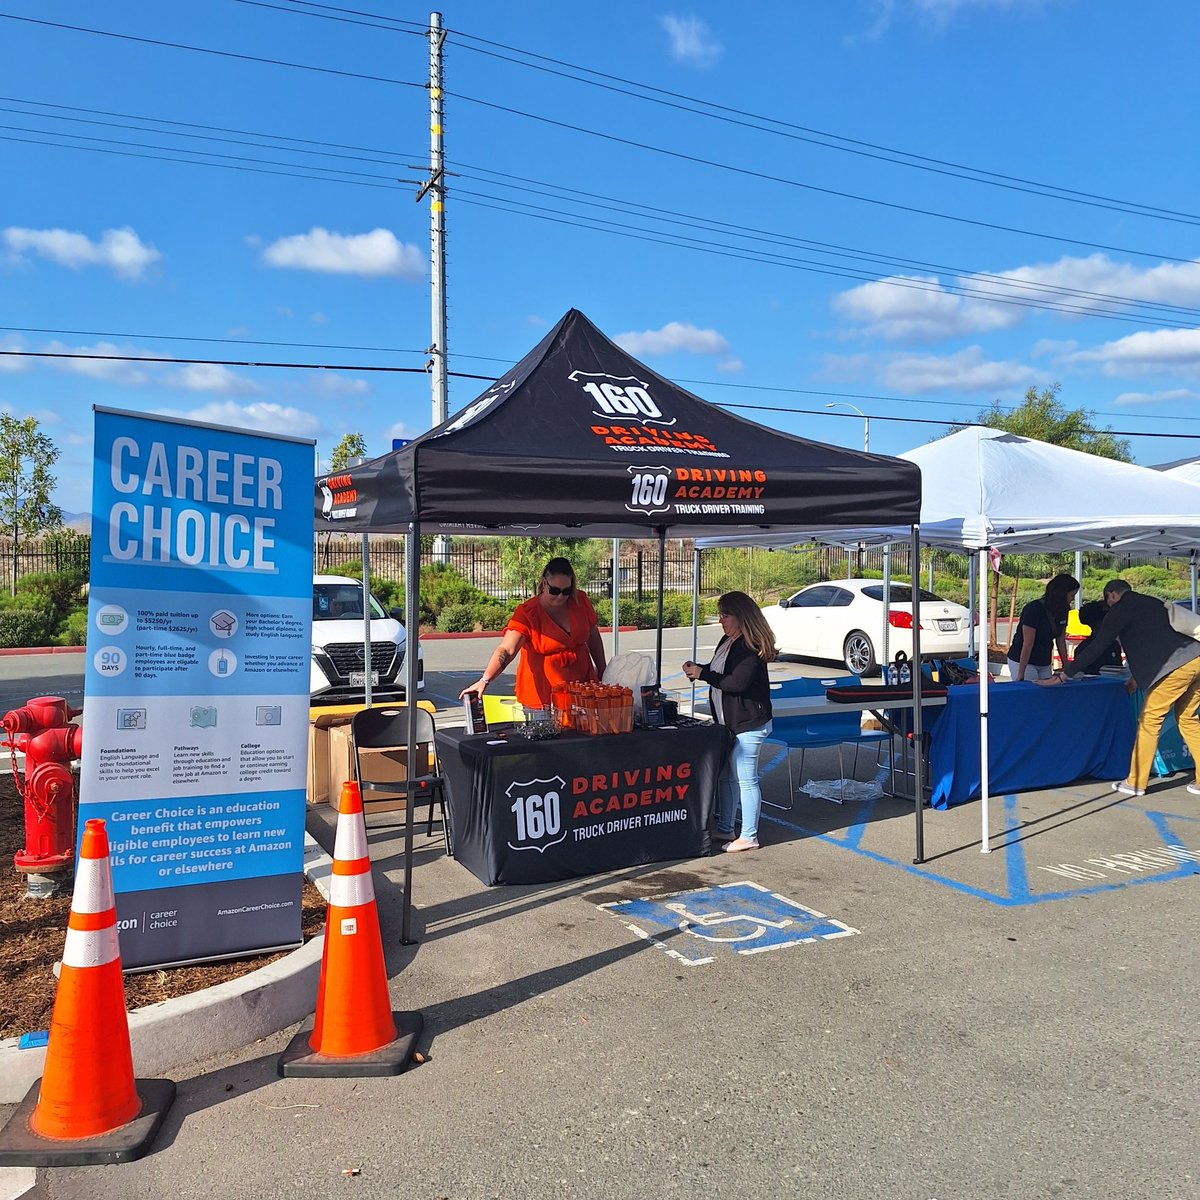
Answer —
741 701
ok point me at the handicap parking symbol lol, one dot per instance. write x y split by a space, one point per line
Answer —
738 918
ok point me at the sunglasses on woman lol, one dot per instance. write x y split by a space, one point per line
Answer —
559 591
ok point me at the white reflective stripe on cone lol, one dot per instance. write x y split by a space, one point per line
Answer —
93 886
91 947
351 840
349 891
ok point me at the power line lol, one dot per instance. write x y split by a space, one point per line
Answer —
227 362
573 195
579 73
667 239
194 163
816 137
155 359
173 337
377 23
810 187
750 232
378 157
273 62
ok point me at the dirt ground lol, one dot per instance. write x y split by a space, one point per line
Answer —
32 934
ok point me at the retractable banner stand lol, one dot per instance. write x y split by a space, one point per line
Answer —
196 690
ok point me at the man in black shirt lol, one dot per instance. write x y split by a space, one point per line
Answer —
1164 664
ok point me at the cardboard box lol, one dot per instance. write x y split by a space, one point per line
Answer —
331 760
321 787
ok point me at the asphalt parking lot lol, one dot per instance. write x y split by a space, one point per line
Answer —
820 1019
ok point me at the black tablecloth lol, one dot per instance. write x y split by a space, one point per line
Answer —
534 812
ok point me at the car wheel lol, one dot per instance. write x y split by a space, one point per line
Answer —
859 653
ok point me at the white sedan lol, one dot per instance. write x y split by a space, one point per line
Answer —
843 621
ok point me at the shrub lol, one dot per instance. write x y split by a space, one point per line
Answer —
492 616
72 630
21 627
456 618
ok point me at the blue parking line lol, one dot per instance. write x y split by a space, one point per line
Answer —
1016 870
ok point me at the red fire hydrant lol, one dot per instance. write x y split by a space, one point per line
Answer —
41 730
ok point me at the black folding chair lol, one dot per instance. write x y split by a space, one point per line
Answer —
385 729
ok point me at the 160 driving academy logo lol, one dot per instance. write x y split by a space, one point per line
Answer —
537 813
623 397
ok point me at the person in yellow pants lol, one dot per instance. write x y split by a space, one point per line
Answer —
1163 662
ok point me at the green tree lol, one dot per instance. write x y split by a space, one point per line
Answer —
352 445
523 559
1042 415
26 482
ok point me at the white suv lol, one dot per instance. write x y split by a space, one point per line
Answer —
338 667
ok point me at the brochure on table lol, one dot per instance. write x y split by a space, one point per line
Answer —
196 689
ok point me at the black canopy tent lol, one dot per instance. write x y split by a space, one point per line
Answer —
579 439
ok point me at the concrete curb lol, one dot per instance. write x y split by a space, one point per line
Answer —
233 1014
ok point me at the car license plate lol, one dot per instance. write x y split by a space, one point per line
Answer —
359 678
947 626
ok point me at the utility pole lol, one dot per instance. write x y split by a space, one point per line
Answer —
436 187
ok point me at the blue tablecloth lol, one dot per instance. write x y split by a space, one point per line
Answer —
1038 737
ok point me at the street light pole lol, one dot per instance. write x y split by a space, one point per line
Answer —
866 421
866 450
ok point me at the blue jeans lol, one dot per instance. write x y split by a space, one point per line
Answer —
739 783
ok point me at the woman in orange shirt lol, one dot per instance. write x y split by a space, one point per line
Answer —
557 630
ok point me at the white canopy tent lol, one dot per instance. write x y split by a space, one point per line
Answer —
986 489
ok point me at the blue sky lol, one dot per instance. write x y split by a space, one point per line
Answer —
912 207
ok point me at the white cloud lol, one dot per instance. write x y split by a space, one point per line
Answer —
103 362
922 308
374 255
1174 396
333 384
264 415
319 318
210 377
399 430
730 366
690 41
1146 352
1167 283
673 337
918 308
966 371
10 363
120 250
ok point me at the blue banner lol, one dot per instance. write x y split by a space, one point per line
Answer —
196 687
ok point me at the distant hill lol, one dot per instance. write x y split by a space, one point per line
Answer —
80 522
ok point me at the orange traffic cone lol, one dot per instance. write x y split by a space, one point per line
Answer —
355 1031
87 1107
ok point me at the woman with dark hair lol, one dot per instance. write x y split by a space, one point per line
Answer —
558 631
1043 625
741 701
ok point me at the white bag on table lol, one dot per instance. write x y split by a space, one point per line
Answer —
632 671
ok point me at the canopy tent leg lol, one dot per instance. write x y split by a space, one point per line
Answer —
972 596
695 619
1194 608
917 731
412 630
662 579
368 655
984 678
616 596
885 655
